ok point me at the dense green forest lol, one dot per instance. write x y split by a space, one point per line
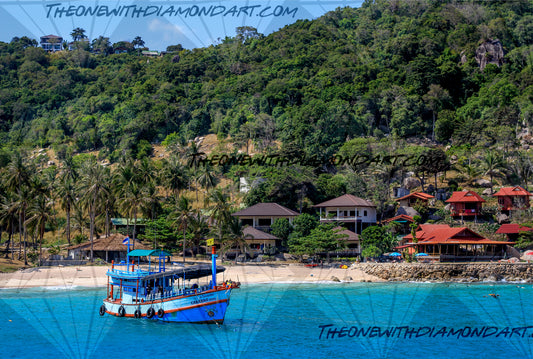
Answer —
380 80
398 68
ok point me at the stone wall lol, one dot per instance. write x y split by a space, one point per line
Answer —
450 272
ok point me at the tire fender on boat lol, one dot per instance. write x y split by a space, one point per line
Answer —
150 313
102 309
121 311
160 313
137 313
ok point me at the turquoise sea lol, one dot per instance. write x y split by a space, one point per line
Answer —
296 320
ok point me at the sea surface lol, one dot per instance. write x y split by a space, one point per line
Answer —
283 320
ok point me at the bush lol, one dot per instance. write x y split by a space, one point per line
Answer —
80 238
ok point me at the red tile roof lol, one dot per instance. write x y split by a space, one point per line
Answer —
419 195
266 209
444 234
512 228
347 200
465 196
512 191
399 218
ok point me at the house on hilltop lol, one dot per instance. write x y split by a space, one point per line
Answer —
351 212
51 43
411 199
512 198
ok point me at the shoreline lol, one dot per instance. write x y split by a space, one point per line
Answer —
95 276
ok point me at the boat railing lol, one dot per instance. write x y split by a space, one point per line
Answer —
168 293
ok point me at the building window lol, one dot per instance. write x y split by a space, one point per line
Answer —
365 213
264 222
247 222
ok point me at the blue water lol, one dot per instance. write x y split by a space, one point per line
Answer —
281 320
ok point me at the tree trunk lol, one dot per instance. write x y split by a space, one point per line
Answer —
184 229
68 222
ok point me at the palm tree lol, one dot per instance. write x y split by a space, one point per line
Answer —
78 34
220 211
207 179
92 188
66 192
199 229
18 178
137 42
182 217
79 221
174 175
130 202
492 163
8 217
40 212
234 237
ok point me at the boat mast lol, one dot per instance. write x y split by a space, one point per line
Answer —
214 266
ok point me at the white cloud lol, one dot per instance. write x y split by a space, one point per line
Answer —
167 30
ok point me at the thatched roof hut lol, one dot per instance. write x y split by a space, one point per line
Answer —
107 248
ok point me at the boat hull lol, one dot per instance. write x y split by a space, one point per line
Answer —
206 307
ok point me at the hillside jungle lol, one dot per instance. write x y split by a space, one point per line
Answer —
357 101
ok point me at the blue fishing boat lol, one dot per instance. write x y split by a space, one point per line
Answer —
168 293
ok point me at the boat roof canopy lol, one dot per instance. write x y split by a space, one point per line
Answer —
148 252
191 272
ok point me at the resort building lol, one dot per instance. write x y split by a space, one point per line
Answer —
353 243
512 230
411 199
465 203
51 43
351 212
403 221
259 240
512 198
262 215
444 243
108 248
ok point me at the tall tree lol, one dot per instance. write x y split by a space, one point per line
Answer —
91 187
78 34
182 216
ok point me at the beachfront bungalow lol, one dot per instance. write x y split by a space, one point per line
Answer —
259 241
412 198
449 244
512 230
349 211
107 248
512 198
262 215
465 203
353 244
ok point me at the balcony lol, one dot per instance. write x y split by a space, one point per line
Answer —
341 219
466 212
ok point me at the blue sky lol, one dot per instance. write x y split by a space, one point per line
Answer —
159 23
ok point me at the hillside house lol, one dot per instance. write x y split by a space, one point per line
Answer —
349 211
512 198
465 203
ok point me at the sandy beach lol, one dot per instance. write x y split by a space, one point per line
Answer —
94 276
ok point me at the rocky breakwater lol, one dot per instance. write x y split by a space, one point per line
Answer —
449 272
